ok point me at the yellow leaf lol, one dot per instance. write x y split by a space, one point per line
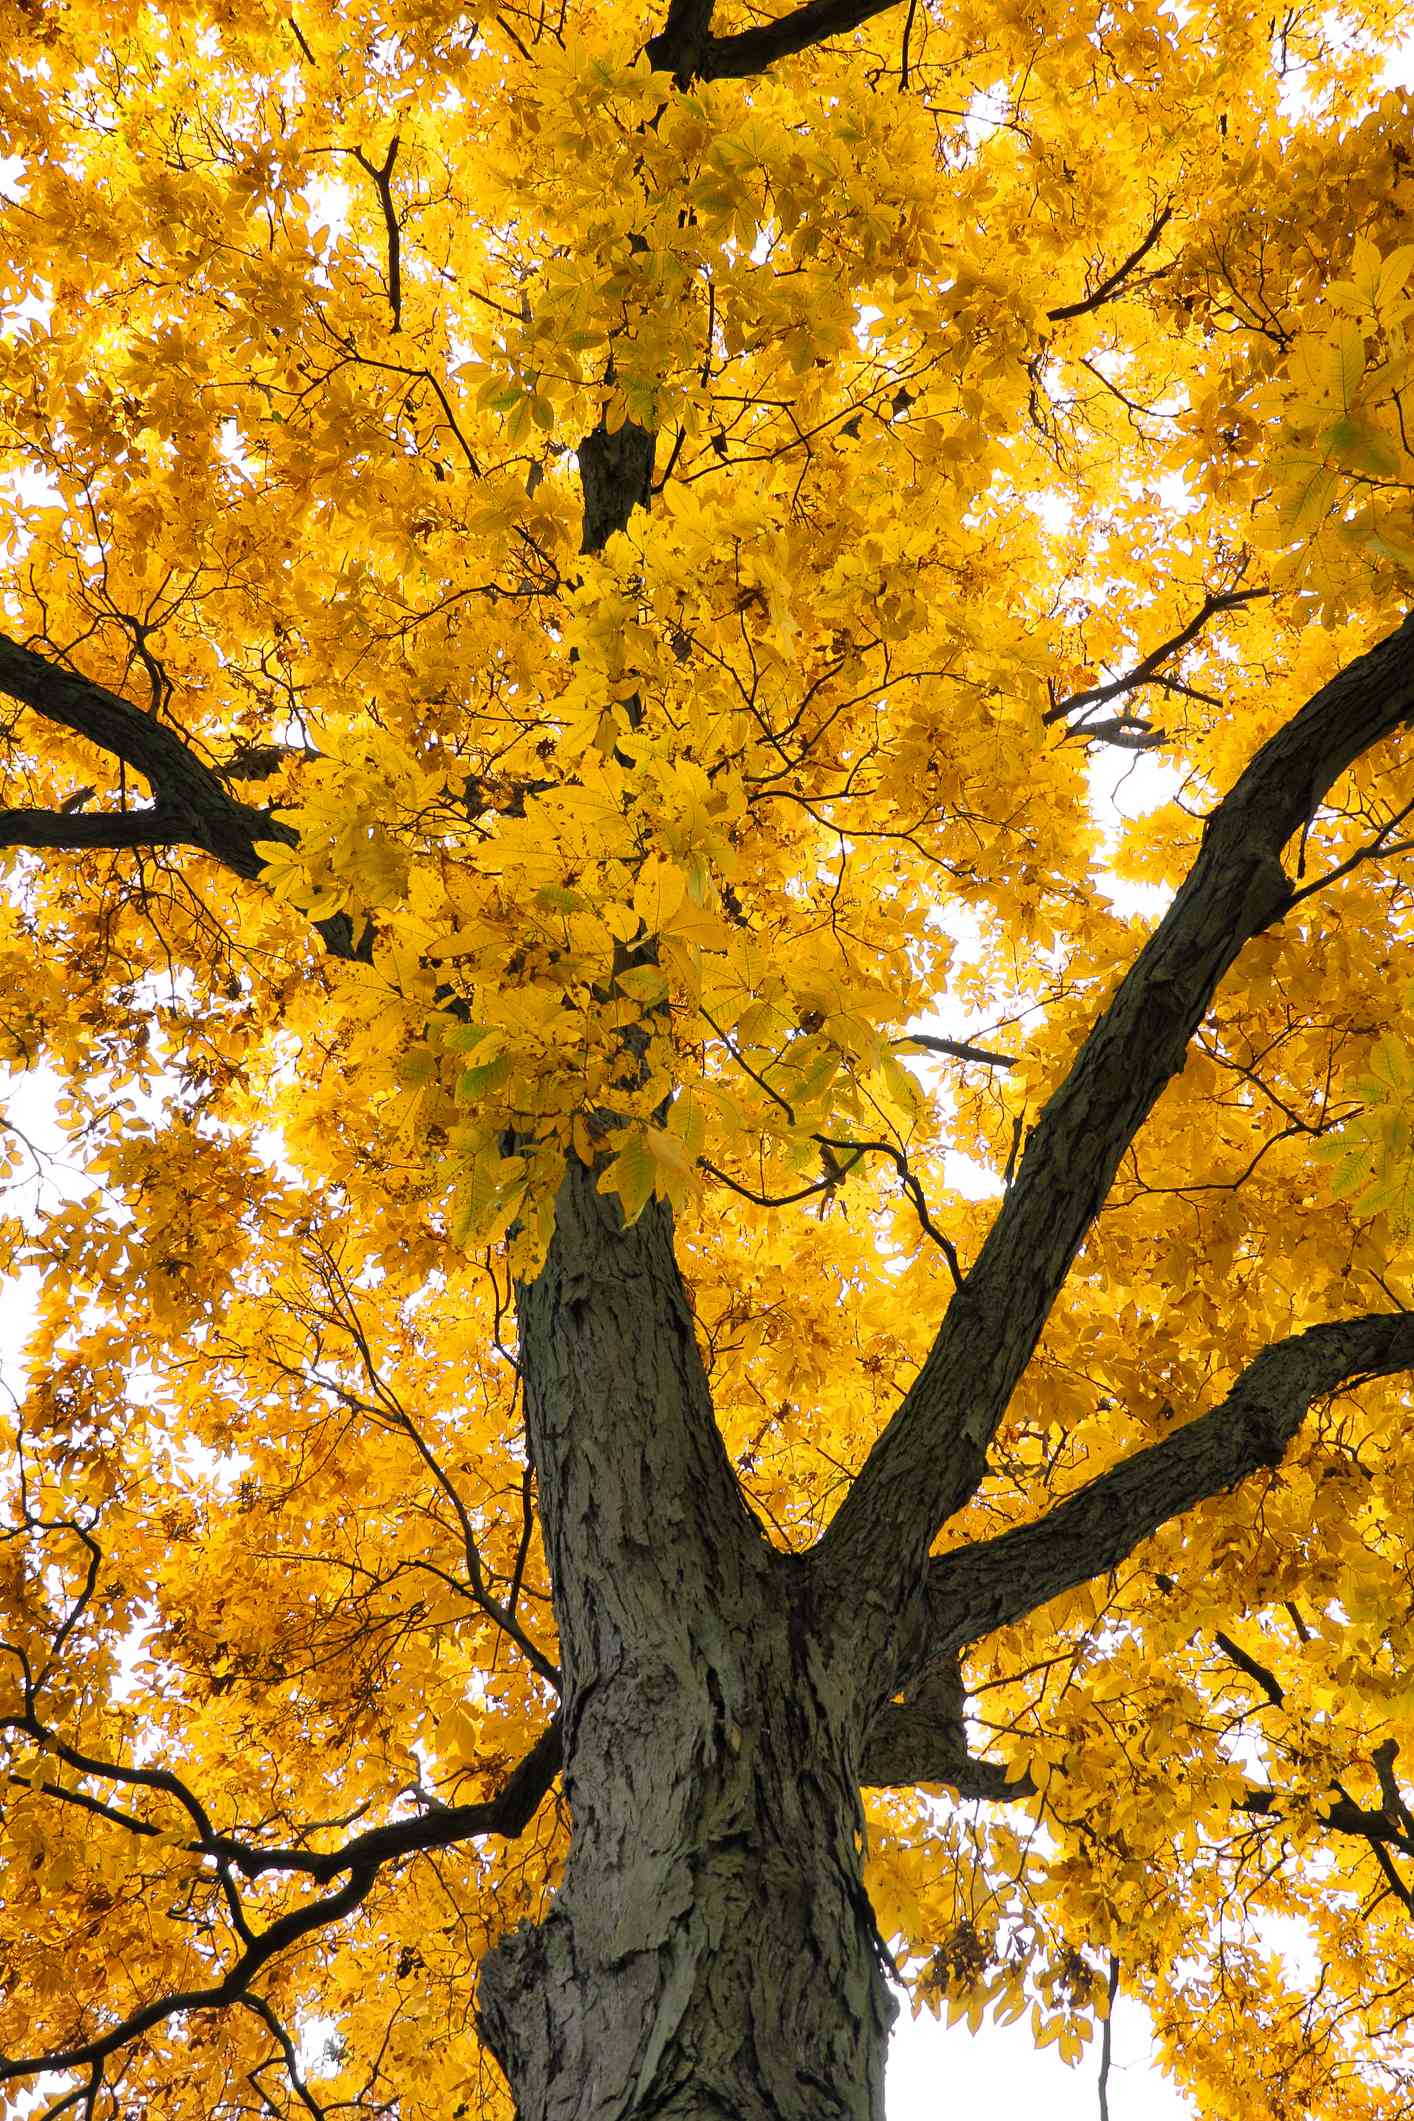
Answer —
632 1175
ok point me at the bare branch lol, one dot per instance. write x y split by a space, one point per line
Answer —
854 1149
382 176
1125 732
1106 2039
1255 1670
933 1453
956 1049
1149 670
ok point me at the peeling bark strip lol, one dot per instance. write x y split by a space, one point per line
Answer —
932 1454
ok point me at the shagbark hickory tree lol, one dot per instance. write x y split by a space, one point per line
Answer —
567 573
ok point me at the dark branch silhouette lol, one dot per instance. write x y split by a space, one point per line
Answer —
933 1452
686 48
191 806
1149 670
1116 283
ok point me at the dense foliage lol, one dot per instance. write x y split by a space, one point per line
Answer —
1010 394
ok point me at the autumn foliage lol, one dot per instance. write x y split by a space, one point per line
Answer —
582 590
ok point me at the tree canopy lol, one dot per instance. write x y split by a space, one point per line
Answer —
576 585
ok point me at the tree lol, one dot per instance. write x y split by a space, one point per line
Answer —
567 578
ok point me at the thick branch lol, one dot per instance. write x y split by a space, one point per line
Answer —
80 829
907 1745
191 807
932 1454
359 1861
687 50
924 1739
972 1592
1341 1814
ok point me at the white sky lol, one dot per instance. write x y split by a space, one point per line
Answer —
936 2073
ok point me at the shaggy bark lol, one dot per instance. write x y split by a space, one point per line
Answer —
711 1950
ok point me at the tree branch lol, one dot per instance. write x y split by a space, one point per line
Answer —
906 1747
191 807
507 1814
956 1049
974 1591
267 1943
925 1740
383 184
74 831
931 1456
686 48
1341 1814
1147 670
1113 285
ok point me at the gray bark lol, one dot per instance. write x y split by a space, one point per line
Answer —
711 1950
933 1453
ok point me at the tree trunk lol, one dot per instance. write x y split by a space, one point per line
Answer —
711 1950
